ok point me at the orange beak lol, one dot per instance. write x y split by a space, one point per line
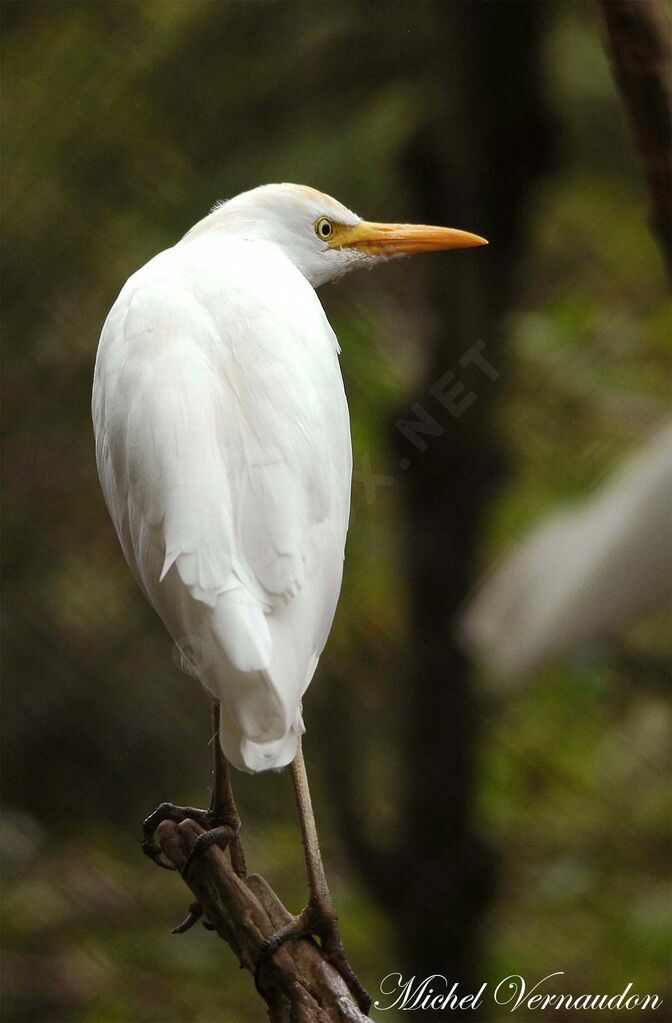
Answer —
402 239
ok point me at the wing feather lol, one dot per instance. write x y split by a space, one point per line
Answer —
224 453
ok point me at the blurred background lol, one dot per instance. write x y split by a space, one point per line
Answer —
474 822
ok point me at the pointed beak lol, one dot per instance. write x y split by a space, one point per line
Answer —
402 239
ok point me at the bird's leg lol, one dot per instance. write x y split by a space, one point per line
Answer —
221 820
319 917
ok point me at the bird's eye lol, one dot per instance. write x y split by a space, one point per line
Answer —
324 228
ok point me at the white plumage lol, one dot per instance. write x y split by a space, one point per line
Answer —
223 446
583 576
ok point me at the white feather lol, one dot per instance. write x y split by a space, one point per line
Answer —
223 447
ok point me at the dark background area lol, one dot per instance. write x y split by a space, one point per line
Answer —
467 830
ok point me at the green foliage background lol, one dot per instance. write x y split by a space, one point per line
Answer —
123 123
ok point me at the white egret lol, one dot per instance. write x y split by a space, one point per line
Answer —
223 448
582 576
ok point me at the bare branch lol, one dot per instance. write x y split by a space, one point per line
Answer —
298 984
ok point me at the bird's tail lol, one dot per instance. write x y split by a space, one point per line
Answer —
254 756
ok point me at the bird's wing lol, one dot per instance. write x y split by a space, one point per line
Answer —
223 450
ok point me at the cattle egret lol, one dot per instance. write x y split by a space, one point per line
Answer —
223 449
581 577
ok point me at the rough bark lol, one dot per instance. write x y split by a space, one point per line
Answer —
639 35
297 984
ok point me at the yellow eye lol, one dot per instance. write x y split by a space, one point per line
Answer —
324 228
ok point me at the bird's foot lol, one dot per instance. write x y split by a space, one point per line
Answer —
168 812
224 832
320 920
220 828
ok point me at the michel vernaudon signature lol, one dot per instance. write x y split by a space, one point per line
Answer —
514 992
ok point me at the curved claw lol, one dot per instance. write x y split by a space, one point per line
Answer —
151 849
193 916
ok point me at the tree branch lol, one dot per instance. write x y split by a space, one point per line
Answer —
640 40
297 984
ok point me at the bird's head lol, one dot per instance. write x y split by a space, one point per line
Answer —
320 236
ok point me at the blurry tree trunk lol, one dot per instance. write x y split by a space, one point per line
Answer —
477 170
473 165
640 40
